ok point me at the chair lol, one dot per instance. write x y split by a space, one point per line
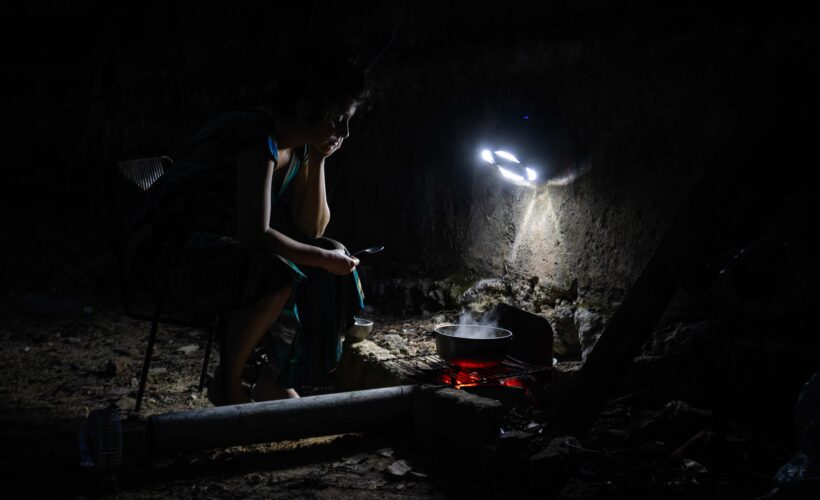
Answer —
143 173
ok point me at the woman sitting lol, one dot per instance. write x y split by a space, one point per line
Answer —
235 226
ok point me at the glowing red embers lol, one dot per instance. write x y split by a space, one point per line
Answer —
471 364
472 378
513 382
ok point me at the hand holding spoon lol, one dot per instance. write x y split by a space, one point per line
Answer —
370 250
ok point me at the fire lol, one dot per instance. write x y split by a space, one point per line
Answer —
513 382
470 364
463 378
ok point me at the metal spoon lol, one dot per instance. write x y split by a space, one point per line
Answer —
368 250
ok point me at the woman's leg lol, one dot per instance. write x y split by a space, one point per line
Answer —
325 307
245 328
267 388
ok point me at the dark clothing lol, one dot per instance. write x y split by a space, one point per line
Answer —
182 245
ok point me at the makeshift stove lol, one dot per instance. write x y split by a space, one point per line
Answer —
528 365
430 369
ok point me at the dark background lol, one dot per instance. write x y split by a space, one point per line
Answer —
703 114
656 101
636 85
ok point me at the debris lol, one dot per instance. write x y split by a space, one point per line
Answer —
162 462
807 420
113 367
126 403
566 342
793 472
253 479
614 435
399 468
119 391
394 342
385 452
801 474
693 466
485 294
514 435
677 421
188 349
355 459
711 445
589 326
514 439
551 467
687 412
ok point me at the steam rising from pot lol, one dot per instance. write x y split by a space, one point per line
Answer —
467 319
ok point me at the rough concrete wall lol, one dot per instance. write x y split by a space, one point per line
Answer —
635 100
648 117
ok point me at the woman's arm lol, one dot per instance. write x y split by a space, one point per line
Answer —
310 211
254 174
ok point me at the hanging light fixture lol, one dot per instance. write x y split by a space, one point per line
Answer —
509 166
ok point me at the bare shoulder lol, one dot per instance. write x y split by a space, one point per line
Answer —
254 159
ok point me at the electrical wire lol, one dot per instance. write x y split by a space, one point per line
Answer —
392 38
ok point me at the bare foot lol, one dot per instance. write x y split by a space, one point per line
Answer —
266 389
221 393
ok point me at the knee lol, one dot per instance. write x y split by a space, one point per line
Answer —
276 297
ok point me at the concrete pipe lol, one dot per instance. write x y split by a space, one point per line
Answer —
280 420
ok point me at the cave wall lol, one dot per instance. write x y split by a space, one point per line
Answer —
646 111
657 105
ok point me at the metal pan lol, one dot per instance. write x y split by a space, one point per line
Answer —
472 346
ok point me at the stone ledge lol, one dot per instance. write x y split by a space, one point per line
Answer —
455 419
364 366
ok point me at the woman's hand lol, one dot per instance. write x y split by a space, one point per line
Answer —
338 262
317 154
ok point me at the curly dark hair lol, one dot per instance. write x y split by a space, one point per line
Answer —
329 80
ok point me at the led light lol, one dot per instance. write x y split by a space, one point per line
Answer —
509 175
487 156
507 156
531 174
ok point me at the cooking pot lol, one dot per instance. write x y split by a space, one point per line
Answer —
472 346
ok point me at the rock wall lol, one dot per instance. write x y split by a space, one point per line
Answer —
645 118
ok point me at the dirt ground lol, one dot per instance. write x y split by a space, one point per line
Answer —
60 360
56 370
55 367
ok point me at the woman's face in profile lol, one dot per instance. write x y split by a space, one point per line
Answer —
329 132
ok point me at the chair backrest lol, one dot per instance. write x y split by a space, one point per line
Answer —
133 179
138 176
144 172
